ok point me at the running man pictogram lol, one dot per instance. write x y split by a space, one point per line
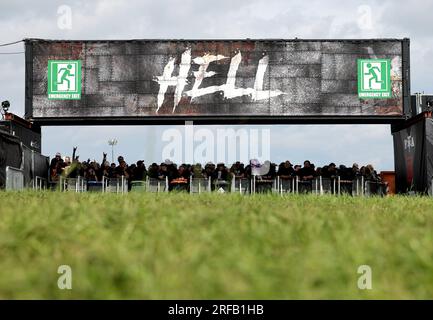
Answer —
374 72
66 73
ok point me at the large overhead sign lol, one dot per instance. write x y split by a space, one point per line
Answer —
216 81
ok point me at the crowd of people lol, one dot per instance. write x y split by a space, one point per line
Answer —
72 167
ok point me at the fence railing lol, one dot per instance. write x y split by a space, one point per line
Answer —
40 183
78 184
115 185
240 185
157 185
375 188
200 185
138 186
318 186
221 185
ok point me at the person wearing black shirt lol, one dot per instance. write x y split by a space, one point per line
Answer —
163 172
238 170
122 170
285 170
140 171
330 171
220 173
307 172
56 160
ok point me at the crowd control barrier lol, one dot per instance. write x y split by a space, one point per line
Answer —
139 186
115 185
292 185
240 185
157 185
78 184
40 183
199 185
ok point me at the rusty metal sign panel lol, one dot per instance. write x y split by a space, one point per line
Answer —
216 81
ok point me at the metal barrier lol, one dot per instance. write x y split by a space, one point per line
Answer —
115 185
326 185
323 185
346 187
139 186
240 185
319 185
54 185
40 183
337 186
276 185
221 185
77 184
304 186
287 185
253 184
375 188
156 185
199 185
260 185
94 186
14 178
358 188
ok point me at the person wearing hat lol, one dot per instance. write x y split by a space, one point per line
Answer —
56 165
332 170
55 160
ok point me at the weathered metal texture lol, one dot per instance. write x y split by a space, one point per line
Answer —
302 78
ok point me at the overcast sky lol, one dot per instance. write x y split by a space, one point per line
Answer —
115 19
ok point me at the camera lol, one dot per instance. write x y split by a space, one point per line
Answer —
5 106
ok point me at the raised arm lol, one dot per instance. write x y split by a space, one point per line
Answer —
73 153
104 158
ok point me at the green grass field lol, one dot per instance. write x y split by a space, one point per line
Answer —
211 246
